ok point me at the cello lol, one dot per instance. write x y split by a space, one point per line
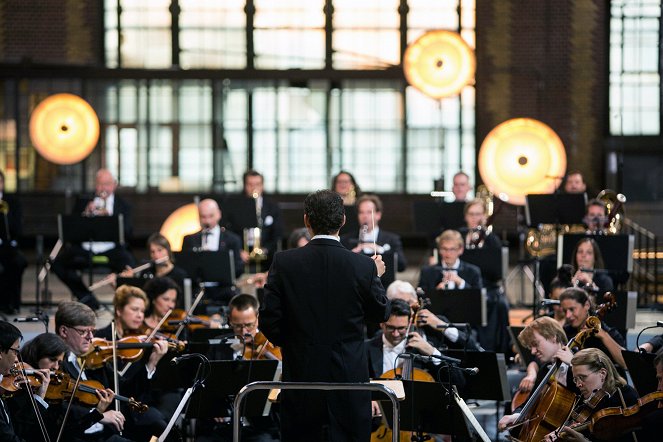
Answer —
551 403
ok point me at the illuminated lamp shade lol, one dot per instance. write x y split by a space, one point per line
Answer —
183 221
439 64
521 156
64 128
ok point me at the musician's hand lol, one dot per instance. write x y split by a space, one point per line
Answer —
582 278
106 397
128 272
569 434
432 261
215 321
565 355
375 409
379 264
527 383
44 376
417 342
159 349
647 347
507 420
244 255
425 317
114 418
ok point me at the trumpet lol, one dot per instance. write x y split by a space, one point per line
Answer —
614 210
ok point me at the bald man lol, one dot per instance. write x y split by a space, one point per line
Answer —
76 257
213 238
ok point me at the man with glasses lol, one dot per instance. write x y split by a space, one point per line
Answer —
453 273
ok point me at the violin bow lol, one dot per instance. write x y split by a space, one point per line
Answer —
149 338
199 297
33 402
116 375
71 399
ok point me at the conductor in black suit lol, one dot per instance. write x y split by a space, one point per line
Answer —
453 273
75 257
12 261
213 238
317 299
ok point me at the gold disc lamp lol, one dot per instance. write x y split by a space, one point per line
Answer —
183 221
64 128
439 64
521 156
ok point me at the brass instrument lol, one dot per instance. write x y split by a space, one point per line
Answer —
4 207
476 237
614 210
253 236
541 241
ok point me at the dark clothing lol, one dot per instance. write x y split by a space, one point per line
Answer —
177 274
657 343
227 241
615 400
389 242
432 276
317 299
594 342
74 258
541 375
12 261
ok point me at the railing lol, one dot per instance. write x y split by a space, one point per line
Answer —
645 276
264 385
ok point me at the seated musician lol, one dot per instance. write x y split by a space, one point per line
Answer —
652 424
577 307
12 261
429 323
601 387
588 266
461 186
345 185
162 296
654 345
19 422
574 182
595 218
558 284
212 237
371 239
160 250
547 341
76 256
475 233
46 351
453 273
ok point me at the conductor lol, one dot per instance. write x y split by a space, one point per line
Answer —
317 299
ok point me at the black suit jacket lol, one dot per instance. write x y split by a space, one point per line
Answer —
317 299
432 276
120 206
388 240
14 216
270 214
227 241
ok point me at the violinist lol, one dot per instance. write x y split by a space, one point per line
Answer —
600 387
18 423
74 323
588 266
577 307
453 273
159 248
547 341
162 295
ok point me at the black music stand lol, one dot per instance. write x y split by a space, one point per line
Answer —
224 382
524 352
641 368
491 260
622 317
466 305
491 382
351 221
207 266
239 213
555 208
617 252
428 407
77 229
432 217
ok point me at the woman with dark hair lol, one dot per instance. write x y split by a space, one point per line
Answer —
44 351
577 307
588 265
162 294
345 185
560 283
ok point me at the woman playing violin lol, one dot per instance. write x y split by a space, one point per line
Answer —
587 256
577 307
600 387
162 295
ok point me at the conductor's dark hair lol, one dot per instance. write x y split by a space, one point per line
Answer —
398 307
325 211
8 335
45 345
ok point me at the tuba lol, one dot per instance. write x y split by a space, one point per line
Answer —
541 241
614 210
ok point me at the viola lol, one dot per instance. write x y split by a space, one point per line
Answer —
86 393
129 349
261 348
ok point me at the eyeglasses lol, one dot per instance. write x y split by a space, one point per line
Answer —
82 332
250 326
582 378
16 350
391 329
449 249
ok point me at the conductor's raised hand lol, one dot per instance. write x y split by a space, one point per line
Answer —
379 264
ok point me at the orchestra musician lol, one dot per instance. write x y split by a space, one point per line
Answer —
345 185
12 261
316 301
76 256
298 238
19 422
162 294
600 386
461 186
588 265
574 182
547 341
577 307
453 273
560 283
213 238
595 218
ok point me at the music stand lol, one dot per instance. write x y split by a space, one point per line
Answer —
555 208
491 381
491 260
224 382
466 305
207 266
239 213
428 408
623 316
524 352
641 368
617 252
432 216
351 221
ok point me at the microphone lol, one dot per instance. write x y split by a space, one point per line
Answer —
596 271
231 340
28 319
441 357
550 302
472 371
455 325
177 359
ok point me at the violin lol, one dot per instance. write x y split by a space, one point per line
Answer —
62 387
178 316
261 348
20 374
171 338
129 349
